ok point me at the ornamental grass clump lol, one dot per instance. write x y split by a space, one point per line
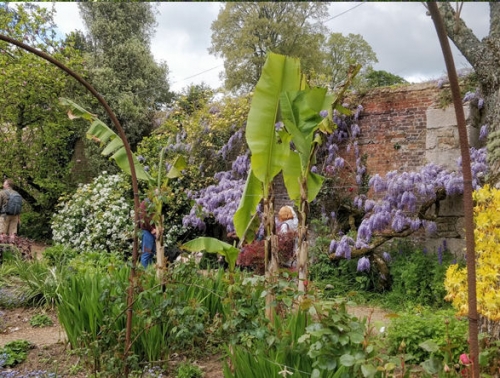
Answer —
97 217
175 316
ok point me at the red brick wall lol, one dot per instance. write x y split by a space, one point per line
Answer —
393 127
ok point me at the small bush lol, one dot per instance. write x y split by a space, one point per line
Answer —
406 332
14 353
58 255
418 276
40 320
189 370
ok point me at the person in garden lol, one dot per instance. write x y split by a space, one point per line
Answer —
287 220
287 236
10 208
148 241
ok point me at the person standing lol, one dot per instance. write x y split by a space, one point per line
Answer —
287 236
148 240
10 208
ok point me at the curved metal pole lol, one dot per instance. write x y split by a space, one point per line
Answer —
468 205
135 186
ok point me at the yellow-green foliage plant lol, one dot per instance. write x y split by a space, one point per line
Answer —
487 238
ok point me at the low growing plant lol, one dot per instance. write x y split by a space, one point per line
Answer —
40 320
188 370
58 255
14 353
418 276
406 333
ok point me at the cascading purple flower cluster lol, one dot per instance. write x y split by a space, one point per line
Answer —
346 133
233 140
400 194
221 200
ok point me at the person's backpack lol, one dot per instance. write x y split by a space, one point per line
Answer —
14 204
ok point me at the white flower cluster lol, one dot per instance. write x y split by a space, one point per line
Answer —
172 233
97 217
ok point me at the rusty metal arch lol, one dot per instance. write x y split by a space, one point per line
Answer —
467 196
135 188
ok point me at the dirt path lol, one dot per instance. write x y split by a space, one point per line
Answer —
15 325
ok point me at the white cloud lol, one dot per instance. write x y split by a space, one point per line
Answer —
400 33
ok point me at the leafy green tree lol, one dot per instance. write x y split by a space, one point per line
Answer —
121 65
483 55
37 139
341 52
382 78
245 32
198 128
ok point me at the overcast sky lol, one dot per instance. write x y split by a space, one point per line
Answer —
400 33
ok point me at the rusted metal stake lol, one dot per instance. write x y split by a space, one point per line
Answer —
467 199
135 187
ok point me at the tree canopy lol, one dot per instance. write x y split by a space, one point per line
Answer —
483 55
36 137
343 51
121 65
244 32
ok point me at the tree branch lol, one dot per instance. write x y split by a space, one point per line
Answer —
386 235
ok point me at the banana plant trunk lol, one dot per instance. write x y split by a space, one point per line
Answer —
302 244
270 255
160 254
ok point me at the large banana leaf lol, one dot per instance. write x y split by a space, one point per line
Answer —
212 245
280 73
252 195
291 175
177 167
102 134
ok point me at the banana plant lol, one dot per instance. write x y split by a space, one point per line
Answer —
300 114
268 153
102 134
158 199
281 95
213 245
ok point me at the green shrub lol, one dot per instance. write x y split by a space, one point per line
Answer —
97 217
58 255
406 332
40 320
339 277
168 318
418 276
14 353
188 370
320 340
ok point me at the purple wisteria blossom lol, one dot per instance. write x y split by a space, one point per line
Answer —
399 194
323 113
221 201
483 133
363 264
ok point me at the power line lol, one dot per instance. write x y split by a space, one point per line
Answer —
340 14
220 65
200 73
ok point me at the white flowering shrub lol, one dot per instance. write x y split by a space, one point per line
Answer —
97 217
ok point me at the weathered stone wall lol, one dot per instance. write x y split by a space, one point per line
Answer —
402 129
